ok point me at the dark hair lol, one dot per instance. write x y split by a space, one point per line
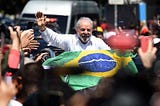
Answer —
130 91
29 78
32 72
52 92
123 89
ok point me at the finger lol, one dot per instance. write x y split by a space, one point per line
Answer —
25 49
26 53
33 46
140 52
150 44
154 50
42 54
28 33
18 28
34 43
30 30
30 37
10 29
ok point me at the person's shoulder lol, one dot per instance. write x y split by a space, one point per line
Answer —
95 38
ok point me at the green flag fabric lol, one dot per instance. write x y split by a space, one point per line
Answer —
96 64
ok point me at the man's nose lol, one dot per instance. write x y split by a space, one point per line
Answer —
86 31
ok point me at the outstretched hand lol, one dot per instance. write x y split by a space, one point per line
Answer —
26 37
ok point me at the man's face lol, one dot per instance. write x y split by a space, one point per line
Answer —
84 31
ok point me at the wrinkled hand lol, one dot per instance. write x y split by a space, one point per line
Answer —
26 37
33 45
41 20
149 56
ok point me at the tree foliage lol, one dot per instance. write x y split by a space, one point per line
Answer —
12 6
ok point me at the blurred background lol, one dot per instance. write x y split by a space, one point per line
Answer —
11 9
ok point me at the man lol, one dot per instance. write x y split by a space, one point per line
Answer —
82 40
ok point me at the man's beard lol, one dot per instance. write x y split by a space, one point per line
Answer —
84 38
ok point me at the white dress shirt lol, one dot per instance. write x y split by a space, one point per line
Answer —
71 42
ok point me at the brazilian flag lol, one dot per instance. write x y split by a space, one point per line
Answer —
96 64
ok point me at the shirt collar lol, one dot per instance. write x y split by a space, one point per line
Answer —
90 42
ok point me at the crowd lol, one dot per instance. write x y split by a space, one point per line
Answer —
25 82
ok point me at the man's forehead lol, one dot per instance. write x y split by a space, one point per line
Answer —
85 23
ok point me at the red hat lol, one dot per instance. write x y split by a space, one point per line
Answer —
144 30
103 26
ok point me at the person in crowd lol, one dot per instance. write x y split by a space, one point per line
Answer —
14 55
28 80
8 88
155 99
21 42
122 89
98 32
46 90
54 92
82 40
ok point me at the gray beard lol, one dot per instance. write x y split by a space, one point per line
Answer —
82 40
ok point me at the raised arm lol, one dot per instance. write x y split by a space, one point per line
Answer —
51 37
